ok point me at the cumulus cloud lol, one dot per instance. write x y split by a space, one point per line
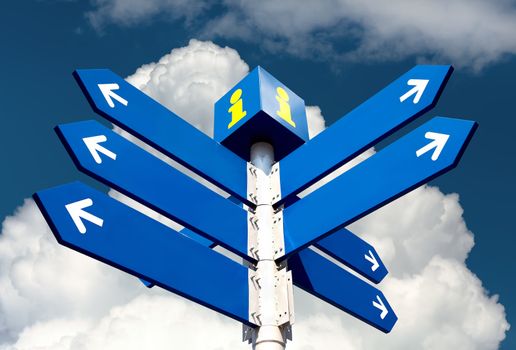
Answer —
146 322
316 122
52 298
460 32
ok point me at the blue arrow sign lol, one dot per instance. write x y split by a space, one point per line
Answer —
132 110
320 277
120 164
355 253
316 275
425 153
94 224
408 97
192 235
342 245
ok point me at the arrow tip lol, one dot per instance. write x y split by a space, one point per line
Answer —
471 127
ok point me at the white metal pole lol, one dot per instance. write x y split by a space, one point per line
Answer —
268 336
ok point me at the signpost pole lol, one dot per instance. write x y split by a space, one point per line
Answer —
268 335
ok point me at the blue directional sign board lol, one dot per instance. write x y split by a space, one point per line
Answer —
132 110
192 235
263 220
111 159
430 150
355 253
318 276
94 224
402 101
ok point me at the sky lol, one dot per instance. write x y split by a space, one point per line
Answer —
448 246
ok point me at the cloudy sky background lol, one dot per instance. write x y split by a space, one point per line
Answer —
334 54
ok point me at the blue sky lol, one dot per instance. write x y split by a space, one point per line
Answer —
334 56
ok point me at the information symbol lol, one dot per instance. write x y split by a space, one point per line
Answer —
284 106
237 108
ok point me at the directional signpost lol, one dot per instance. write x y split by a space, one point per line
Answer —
355 253
111 159
132 110
387 175
261 155
96 225
320 277
405 99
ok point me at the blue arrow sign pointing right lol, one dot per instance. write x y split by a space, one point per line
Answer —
355 253
425 153
132 110
320 277
94 224
120 164
343 245
402 101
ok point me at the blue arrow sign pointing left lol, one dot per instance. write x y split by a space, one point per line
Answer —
132 110
120 164
322 278
94 224
425 153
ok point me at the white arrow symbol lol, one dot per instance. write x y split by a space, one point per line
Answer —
77 214
109 95
379 305
439 140
372 259
93 146
419 86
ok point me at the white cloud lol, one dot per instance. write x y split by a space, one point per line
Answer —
316 122
54 298
147 322
458 31
470 33
444 306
